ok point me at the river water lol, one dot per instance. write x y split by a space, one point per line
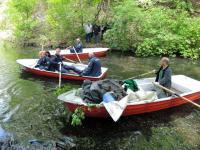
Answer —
29 109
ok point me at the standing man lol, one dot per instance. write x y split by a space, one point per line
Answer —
88 32
163 77
96 31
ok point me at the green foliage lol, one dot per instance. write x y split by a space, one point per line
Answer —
66 18
154 31
21 13
78 114
62 90
77 117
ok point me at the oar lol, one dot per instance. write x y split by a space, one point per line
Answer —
77 55
174 93
150 72
69 60
60 74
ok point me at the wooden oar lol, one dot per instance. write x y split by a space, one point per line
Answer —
69 60
150 72
60 75
174 93
77 55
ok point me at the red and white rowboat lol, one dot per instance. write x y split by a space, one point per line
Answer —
29 66
99 52
183 85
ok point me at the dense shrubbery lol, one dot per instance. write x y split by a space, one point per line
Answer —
66 18
154 31
147 27
21 14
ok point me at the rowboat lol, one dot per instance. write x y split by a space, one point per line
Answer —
28 65
181 84
99 52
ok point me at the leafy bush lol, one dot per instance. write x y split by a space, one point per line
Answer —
66 18
24 22
154 31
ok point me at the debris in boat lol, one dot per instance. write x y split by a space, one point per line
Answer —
94 91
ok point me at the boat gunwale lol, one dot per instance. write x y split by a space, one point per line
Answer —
52 52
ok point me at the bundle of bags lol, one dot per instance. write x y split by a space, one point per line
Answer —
113 90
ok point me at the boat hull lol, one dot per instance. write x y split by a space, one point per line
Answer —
84 55
28 65
64 76
98 52
134 109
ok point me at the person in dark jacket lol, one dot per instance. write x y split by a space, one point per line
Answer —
43 62
78 46
163 77
94 67
96 32
57 60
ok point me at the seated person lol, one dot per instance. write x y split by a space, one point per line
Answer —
47 53
163 77
94 67
77 46
43 62
57 60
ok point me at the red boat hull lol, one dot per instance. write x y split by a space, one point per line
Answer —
84 55
135 109
64 76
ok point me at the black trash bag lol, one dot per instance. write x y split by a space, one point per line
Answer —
94 91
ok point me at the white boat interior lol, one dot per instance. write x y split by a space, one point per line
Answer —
181 84
85 50
31 63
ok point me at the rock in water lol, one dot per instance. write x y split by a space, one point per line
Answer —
5 140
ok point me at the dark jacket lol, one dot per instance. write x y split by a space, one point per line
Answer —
93 69
43 63
78 47
55 60
166 77
96 29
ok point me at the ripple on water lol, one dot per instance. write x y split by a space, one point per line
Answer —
4 104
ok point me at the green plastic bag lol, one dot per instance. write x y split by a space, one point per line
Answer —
131 84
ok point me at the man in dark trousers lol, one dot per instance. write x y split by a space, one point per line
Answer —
57 60
163 77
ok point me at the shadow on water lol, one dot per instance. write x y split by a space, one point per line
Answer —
142 122
106 131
